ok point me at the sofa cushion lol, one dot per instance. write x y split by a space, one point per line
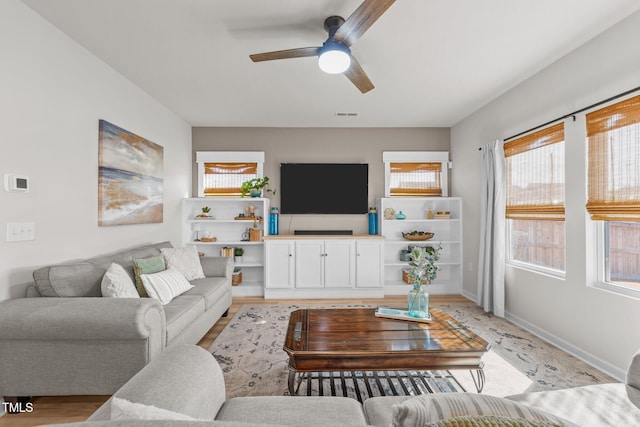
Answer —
181 312
81 279
299 411
149 265
165 285
593 405
427 408
210 288
186 260
116 283
162 423
122 409
378 411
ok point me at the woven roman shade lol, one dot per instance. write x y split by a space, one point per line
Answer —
613 135
415 179
535 175
224 179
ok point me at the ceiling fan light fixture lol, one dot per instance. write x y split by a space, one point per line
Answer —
334 57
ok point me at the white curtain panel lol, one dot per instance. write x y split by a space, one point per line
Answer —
492 230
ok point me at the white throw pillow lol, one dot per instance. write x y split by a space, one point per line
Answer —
186 260
122 409
428 408
116 283
165 285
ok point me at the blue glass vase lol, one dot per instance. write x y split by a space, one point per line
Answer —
418 302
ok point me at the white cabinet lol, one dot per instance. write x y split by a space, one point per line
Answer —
325 263
447 234
230 232
369 265
308 267
279 265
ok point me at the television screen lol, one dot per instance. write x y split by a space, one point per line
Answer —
324 188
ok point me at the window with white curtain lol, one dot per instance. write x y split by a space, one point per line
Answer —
535 199
613 138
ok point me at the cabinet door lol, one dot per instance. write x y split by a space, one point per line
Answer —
279 264
339 260
309 261
369 264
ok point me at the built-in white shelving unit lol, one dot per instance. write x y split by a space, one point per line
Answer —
229 233
447 234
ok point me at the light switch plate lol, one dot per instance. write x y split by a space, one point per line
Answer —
21 231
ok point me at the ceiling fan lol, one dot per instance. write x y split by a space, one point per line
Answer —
335 56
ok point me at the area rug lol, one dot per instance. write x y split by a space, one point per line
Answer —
249 350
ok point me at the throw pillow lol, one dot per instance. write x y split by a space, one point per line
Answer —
116 283
490 421
122 409
165 285
186 260
147 266
421 410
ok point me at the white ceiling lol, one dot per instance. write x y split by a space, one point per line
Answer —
433 62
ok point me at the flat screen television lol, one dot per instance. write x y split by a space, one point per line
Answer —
324 188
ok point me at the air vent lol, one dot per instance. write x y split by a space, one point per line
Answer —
346 114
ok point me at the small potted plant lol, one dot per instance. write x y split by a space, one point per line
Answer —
254 187
205 212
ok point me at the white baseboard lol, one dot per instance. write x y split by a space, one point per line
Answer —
596 362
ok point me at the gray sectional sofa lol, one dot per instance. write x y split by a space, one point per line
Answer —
187 381
72 341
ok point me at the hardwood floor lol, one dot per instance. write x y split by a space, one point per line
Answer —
64 409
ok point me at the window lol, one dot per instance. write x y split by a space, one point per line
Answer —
220 173
613 138
225 179
415 179
535 199
416 173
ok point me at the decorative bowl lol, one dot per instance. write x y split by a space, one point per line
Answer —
417 235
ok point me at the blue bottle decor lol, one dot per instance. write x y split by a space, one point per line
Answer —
401 216
274 219
373 221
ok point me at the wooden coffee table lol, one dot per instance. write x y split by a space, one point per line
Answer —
321 340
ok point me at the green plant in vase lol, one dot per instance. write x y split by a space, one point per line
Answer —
423 271
254 187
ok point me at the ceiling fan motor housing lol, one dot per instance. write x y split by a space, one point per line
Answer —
332 23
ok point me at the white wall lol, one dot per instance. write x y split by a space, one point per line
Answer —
600 327
52 94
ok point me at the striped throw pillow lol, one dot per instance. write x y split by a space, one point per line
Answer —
490 421
428 408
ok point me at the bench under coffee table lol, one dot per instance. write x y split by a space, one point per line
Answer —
327 340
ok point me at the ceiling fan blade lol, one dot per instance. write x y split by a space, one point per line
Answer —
285 54
361 19
358 77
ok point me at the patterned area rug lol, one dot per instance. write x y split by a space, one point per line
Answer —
250 353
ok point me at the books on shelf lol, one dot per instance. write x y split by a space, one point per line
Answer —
392 313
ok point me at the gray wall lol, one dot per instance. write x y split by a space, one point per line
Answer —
599 326
316 145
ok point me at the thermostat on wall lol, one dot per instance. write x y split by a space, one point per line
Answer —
16 183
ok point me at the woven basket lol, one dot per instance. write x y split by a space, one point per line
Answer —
236 277
417 237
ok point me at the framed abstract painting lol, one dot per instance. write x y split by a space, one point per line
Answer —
130 178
